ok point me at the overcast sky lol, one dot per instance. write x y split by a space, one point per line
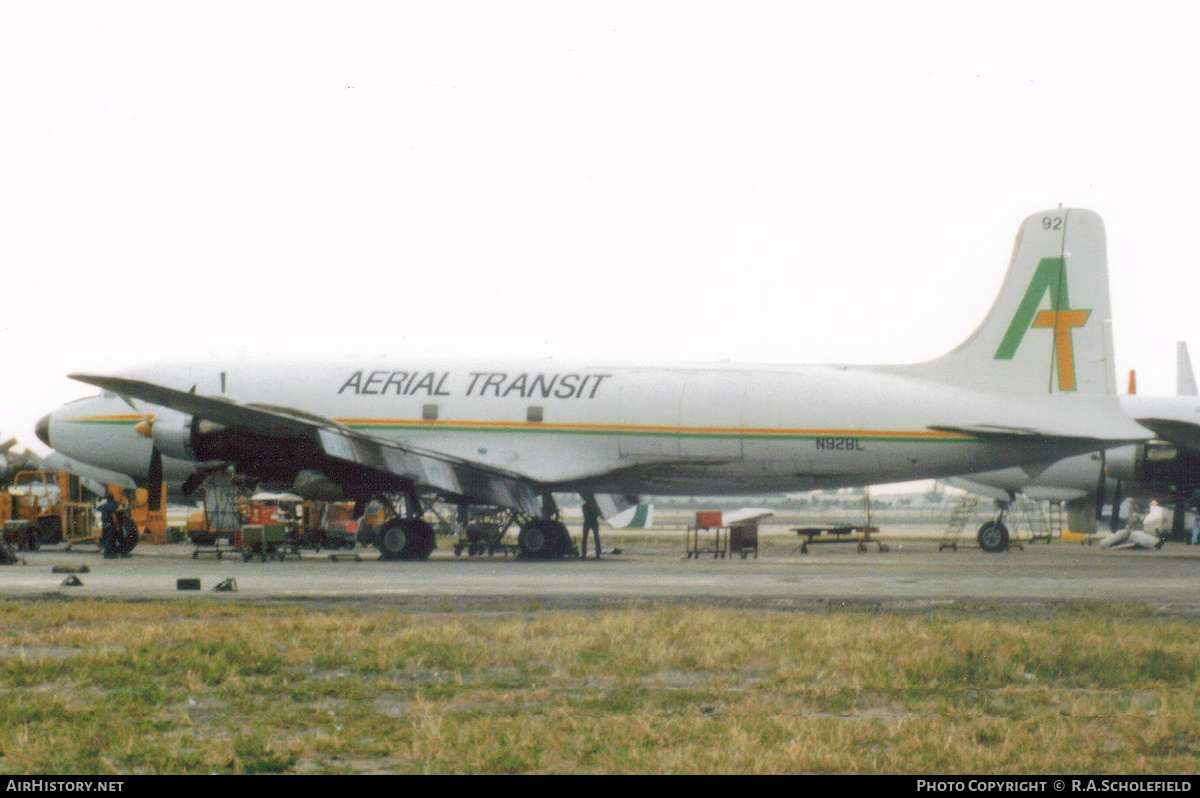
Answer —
763 182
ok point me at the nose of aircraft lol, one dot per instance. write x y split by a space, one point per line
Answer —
42 429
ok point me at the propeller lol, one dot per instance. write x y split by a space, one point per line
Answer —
1102 495
154 479
194 481
1115 520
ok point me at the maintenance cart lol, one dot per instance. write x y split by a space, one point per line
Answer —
266 541
838 534
852 533
485 535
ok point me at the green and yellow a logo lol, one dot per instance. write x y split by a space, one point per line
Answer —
1051 276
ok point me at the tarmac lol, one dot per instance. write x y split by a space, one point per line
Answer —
649 568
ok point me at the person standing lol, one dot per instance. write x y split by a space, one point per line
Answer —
109 532
591 522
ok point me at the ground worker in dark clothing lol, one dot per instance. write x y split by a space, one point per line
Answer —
591 521
109 529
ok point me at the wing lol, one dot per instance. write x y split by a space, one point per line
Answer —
327 439
1179 432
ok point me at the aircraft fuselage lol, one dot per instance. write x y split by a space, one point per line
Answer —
682 429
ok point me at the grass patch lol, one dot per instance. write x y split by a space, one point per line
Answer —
106 687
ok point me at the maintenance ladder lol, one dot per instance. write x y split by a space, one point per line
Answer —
1041 527
1023 512
958 521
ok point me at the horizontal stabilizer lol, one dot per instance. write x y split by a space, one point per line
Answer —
1180 433
1100 433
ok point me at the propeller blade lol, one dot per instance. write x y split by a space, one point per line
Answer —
1101 487
1115 520
155 480
145 427
194 481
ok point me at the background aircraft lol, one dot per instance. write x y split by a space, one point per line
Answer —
1034 383
1166 468
12 461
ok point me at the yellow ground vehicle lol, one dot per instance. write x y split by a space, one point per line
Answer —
46 507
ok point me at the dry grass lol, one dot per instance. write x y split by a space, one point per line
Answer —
96 687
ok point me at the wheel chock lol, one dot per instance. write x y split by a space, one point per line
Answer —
72 581
70 569
187 584
228 586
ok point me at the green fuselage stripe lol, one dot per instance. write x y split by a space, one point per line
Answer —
699 433
656 432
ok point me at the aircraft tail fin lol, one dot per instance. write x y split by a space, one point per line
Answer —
1050 328
1185 381
639 516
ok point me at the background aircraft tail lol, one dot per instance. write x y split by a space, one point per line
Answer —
1185 381
639 516
1050 328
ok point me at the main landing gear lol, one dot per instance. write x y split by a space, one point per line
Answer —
406 539
407 536
545 538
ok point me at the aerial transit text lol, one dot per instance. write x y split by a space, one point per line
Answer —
500 384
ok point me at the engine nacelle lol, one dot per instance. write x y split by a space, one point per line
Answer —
173 434
184 437
1154 464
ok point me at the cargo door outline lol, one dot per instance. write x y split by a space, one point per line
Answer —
648 415
711 415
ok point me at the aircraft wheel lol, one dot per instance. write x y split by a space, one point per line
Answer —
565 545
424 540
393 539
540 540
406 539
993 537
129 537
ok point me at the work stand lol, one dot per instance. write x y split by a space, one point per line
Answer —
720 541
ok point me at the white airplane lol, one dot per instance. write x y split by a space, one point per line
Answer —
1033 383
1167 468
